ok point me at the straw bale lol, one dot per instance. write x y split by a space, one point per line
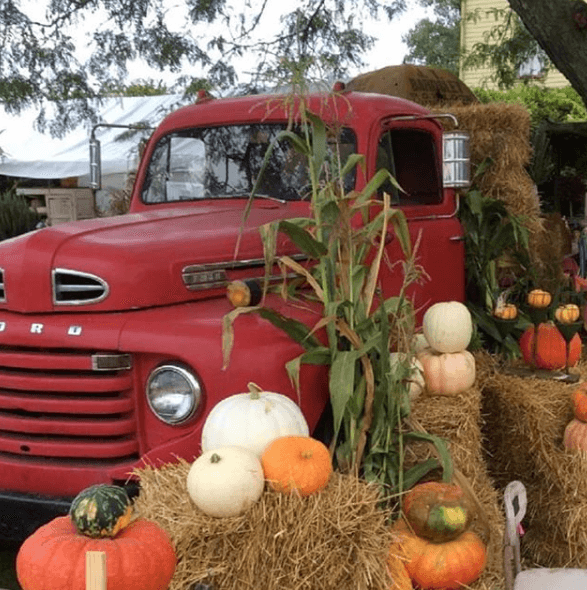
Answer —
525 421
338 539
501 132
457 419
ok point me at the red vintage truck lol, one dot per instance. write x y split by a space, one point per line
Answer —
110 329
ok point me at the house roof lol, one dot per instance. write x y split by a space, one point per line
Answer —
27 153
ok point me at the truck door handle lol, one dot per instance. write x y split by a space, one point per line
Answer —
457 238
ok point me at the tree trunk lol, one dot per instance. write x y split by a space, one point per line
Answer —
551 23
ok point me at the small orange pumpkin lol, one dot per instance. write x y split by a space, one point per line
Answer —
297 463
506 311
551 348
449 565
579 402
568 313
575 436
539 298
437 511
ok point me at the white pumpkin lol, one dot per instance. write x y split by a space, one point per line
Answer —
447 373
225 482
448 326
252 420
416 382
419 342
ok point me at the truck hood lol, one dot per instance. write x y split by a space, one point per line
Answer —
136 260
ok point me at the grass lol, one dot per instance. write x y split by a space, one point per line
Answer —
7 567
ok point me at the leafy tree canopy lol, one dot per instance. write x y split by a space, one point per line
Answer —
436 42
561 105
506 48
47 57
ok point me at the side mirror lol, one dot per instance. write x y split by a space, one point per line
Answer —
456 159
95 164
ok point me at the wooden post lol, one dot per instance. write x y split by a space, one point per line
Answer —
95 570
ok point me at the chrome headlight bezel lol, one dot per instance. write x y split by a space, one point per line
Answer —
192 386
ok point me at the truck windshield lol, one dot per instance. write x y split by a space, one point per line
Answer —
225 162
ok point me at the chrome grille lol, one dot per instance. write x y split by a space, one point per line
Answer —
72 287
212 275
55 406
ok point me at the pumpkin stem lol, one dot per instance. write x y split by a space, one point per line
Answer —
215 458
255 390
307 454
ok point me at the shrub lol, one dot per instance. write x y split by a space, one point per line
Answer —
16 217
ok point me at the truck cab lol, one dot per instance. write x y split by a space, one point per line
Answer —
111 329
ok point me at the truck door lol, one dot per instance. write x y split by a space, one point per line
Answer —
413 156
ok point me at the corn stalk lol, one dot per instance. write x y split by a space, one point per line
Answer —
369 398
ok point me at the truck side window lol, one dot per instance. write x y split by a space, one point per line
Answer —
410 157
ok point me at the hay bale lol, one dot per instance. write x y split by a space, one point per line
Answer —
338 539
526 418
457 419
501 132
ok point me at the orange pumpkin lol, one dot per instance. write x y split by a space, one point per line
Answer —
579 402
54 557
437 511
551 347
568 313
297 463
575 436
539 298
506 311
448 565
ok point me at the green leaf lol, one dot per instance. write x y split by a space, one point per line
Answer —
319 143
295 329
352 161
342 384
303 239
441 447
413 475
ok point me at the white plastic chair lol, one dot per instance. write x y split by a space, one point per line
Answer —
536 578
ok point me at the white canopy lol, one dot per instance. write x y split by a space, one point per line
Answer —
29 154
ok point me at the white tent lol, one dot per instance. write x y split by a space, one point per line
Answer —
27 153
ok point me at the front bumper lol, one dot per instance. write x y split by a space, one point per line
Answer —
22 514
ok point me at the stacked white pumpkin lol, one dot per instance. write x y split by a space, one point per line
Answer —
449 368
228 477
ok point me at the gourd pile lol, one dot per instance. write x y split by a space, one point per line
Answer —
139 553
441 550
263 497
575 435
551 345
449 369
250 438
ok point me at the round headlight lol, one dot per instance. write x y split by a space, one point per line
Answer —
173 393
